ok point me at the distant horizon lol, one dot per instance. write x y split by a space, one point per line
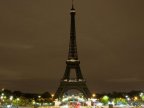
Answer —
102 92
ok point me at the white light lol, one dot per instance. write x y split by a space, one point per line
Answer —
126 96
73 60
1 97
33 102
111 103
128 99
99 104
93 100
141 94
9 106
11 97
18 99
72 10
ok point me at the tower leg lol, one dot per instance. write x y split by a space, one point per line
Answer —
65 86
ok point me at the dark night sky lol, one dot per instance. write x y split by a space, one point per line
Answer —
34 37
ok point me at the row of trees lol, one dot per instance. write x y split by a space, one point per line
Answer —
16 94
135 98
131 94
23 99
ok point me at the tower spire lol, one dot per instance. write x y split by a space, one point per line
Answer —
72 4
72 44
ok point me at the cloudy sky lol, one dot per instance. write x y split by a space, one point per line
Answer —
34 37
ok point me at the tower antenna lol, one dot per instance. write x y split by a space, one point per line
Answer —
72 4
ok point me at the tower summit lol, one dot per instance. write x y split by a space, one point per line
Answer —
72 55
72 63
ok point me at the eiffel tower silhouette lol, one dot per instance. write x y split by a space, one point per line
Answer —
72 63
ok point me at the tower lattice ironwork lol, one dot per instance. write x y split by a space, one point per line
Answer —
72 63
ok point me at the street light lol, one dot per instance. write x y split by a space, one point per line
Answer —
11 98
2 94
93 99
135 98
18 99
52 95
93 95
39 96
141 94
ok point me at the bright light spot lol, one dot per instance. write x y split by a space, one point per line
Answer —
126 96
3 89
9 106
11 97
93 95
128 99
2 94
33 102
18 99
111 103
135 98
52 95
1 97
141 94
99 104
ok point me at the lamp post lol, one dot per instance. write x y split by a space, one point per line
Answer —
52 96
93 99
11 100
93 95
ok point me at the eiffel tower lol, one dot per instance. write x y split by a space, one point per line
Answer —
72 63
